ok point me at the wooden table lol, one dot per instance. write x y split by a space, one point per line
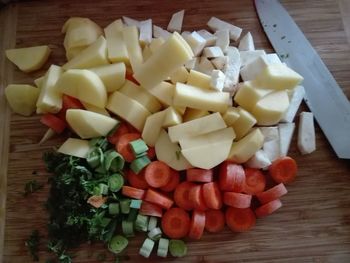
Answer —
314 223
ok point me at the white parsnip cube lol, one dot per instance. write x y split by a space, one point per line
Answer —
246 43
218 24
294 104
209 37
160 32
217 80
205 66
146 31
223 39
196 42
176 20
220 62
306 133
213 52
248 56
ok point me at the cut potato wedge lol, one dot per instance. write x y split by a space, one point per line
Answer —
131 39
244 123
84 85
88 124
152 128
170 153
75 147
192 114
199 79
30 58
230 116
93 108
112 75
172 117
116 47
164 92
22 98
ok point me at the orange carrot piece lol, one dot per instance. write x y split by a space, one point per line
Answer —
237 200
197 199
212 195
283 170
149 209
123 146
199 175
268 208
133 192
157 174
176 223
137 180
173 182
255 181
159 199
272 194
231 177
240 220
121 130
197 225
182 195
214 220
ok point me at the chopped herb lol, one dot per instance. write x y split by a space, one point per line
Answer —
31 187
178 154
283 37
33 244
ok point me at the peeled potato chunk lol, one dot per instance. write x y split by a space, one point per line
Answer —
29 59
75 147
22 98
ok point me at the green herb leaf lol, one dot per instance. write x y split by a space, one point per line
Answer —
31 187
33 244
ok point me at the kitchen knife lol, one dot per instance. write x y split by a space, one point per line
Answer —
324 97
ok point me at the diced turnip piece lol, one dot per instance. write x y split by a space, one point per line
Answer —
176 20
205 66
270 133
306 133
295 101
273 58
217 80
286 131
130 21
246 43
232 69
248 56
192 64
213 52
184 34
259 160
160 32
254 68
223 39
196 42
209 37
220 62
218 24
272 149
146 31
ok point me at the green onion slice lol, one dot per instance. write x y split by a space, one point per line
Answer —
95 157
152 223
128 228
141 223
118 244
163 246
138 147
113 161
113 208
115 182
146 248
138 164
155 233
177 248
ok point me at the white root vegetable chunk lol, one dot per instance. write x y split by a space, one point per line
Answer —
153 127
176 20
197 127
172 117
286 131
160 32
217 80
306 133
259 160
213 52
205 66
254 68
232 68
270 133
146 52
209 150
246 147
22 98
93 108
273 58
128 109
196 42
199 79
75 147
92 56
272 149
145 31
209 37
112 75
84 85
29 59
131 38
88 124
218 24
193 97
170 152
39 81
130 21
50 97
295 101
223 39
220 62
155 70
246 43
244 123
116 47
192 64
248 56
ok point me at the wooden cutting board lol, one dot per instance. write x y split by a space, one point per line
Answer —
314 223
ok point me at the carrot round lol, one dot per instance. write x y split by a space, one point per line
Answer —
240 220
272 194
237 200
133 192
212 195
173 182
197 199
176 223
255 181
157 174
68 102
182 195
231 177
53 122
283 170
121 130
268 208
214 220
137 180
149 209
199 175
159 199
123 146
197 225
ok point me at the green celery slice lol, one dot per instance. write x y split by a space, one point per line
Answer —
138 164
138 146
155 233
141 223
125 206
163 246
113 208
152 223
146 248
128 228
95 157
113 161
118 244
115 182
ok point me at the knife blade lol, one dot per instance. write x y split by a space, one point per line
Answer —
324 97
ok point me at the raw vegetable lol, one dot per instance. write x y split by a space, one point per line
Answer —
182 195
157 174
196 198
283 170
268 208
273 193
199 175
123 146
255 181
197 225
177 248
133 192
237 200
157 198
163 246
214 220
173 182
240 220
176 223
152 223
146 248
117 244
155 233
139 163
53 122
137 180
212 195
231 177
150 209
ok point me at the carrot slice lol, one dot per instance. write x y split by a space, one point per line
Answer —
231 177
68 102
173 182
176 223
283 170
137 180
240 220
237 200
157 174
149 209
272 194
123 146
197 225
53 122
199 175
133 192
268 208
196 197
121 130
158 199
214 220
212 195
182 195
151 153
129 76
255 181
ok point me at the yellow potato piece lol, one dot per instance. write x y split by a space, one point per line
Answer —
88 124
72 52
230 116
128 109
192 114
131 39
164 92
112 75
152 128
75 147
39 81
22 98
93 108
246 147
172 117
84 85
155 44
116 47
180 75
244 123
199 79
29 59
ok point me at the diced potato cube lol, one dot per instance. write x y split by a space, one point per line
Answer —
75 147
22 98
112 75
192 114
172 117
244 123
230 116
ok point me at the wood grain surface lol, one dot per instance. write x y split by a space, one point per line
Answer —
314 223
